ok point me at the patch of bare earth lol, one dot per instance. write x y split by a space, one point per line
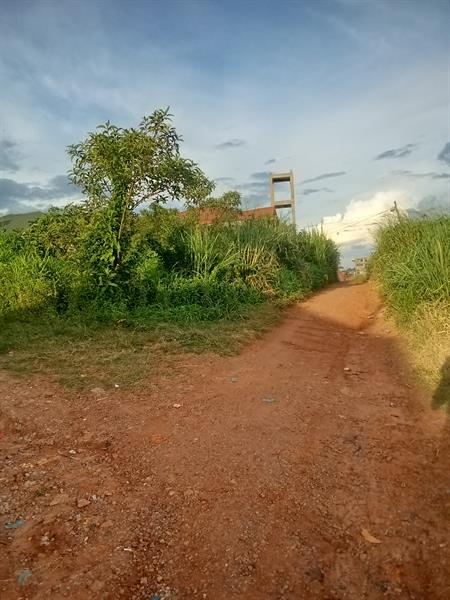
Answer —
306 467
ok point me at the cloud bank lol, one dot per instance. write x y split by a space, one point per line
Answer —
9 156
444 154
22 197
325 176
397 152
234 143
429 175
309 191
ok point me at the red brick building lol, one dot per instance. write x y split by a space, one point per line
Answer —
206 216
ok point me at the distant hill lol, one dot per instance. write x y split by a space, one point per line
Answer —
19 221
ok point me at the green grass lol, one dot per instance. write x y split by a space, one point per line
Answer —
412 263
429 340
412 267
81 354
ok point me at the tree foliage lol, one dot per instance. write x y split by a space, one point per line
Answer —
55 233
138 165
119 169
227 206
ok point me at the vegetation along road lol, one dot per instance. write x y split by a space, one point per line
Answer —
308 466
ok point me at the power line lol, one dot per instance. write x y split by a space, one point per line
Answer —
343 226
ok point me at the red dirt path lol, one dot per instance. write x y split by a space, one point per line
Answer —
257 487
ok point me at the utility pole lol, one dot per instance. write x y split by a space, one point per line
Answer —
397 212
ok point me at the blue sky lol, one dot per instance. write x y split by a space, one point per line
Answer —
352 95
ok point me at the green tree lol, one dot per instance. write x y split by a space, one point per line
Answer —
226 207
229 202
119 169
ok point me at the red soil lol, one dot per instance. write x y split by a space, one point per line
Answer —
260 476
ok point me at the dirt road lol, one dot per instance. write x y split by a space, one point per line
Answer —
308 467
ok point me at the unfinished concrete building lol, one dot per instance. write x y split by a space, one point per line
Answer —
277 178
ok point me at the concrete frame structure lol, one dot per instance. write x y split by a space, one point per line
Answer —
275 178
361 265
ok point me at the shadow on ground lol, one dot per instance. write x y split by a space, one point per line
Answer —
441 396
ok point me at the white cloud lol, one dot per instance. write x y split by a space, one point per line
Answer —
361 216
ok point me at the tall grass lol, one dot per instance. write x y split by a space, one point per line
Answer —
181 267
411 263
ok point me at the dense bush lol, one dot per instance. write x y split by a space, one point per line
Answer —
170 263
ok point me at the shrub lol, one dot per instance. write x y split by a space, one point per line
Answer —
24 284
144 279
179 291
56 232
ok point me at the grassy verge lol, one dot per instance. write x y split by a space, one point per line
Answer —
429 341
81 354
412 266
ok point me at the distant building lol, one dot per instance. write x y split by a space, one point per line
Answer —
206 216
211 214
361 265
